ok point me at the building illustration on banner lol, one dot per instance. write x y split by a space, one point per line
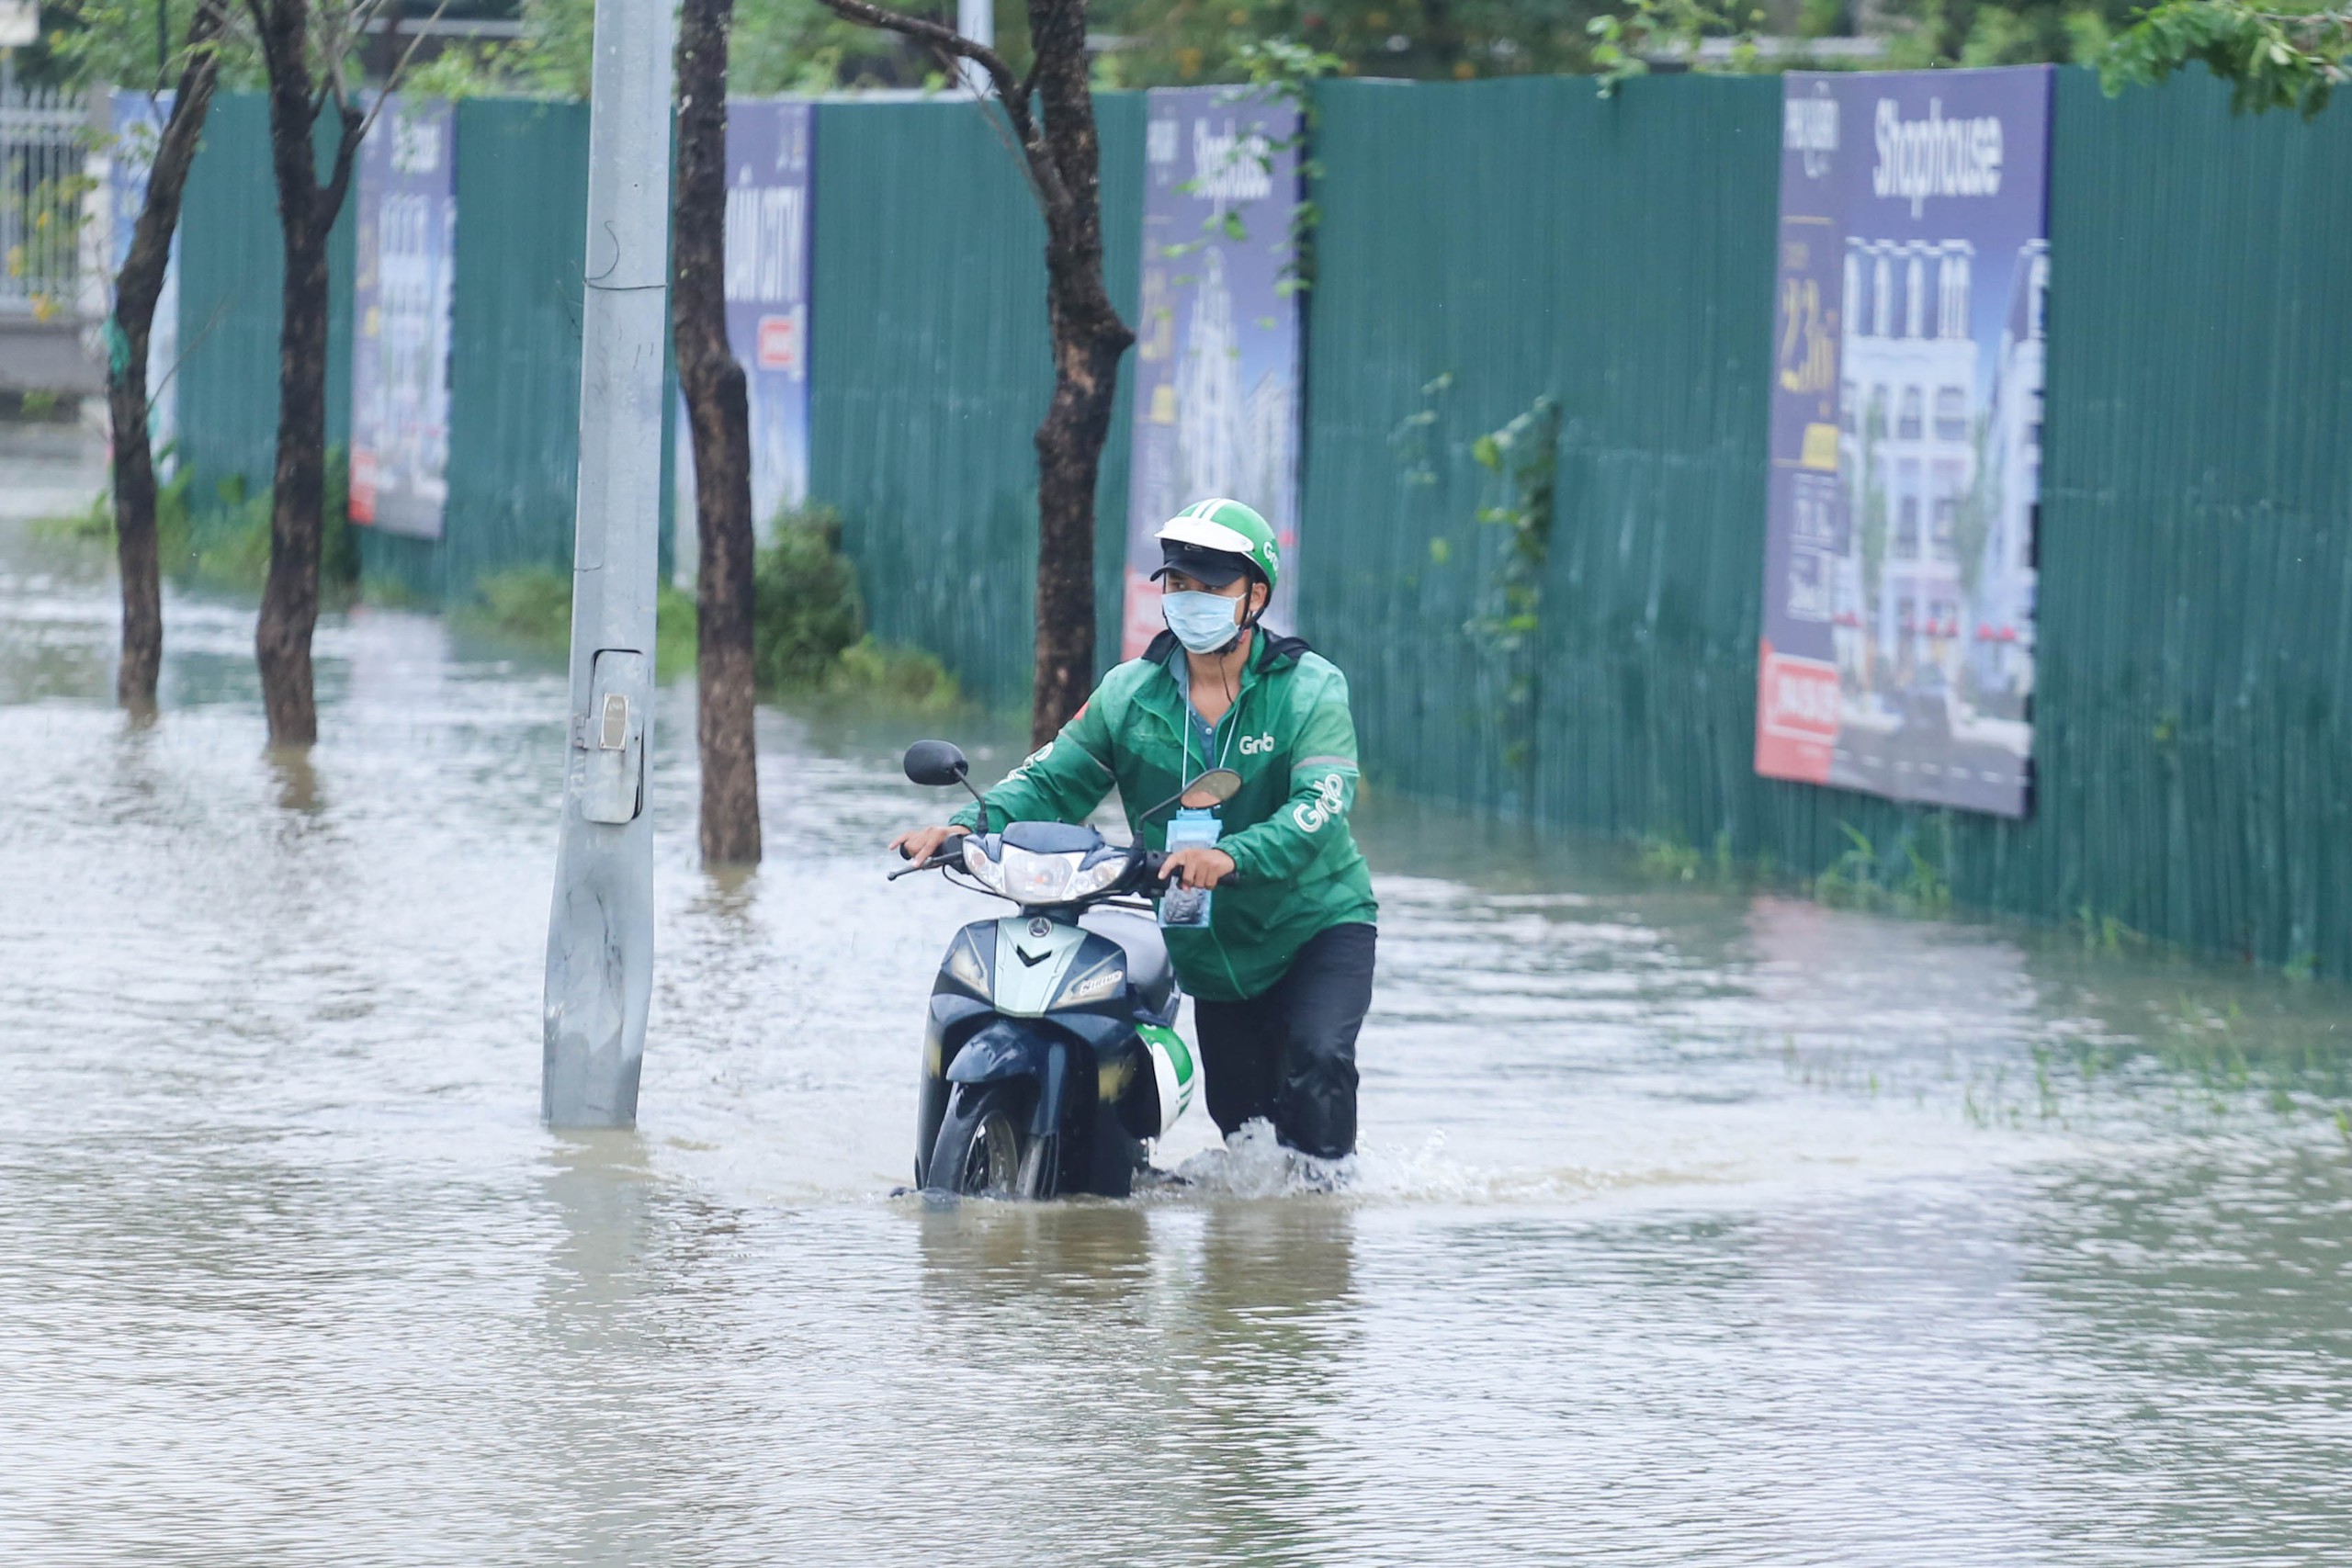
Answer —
1208 390
1914 260
401 283
2002 639
137 121
769 143
1217 352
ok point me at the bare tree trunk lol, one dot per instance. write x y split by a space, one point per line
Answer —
1064 159
718 414
289 598
306 211
1088 337
137 288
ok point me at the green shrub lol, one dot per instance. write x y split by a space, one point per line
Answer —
231 548
173 525
530 606
94 525
675 621
903 677
807 611
806 627
339 542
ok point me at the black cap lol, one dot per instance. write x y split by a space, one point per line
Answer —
1212 567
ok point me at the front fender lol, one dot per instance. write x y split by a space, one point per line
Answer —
998 1051
1003 1050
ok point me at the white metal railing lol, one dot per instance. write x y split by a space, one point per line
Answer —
43 152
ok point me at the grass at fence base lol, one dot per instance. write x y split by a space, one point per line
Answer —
1907 877
531 607
905 678
1902 878
808 636
227 545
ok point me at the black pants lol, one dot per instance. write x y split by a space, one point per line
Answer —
1289 1054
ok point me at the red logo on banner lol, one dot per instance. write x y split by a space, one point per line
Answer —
1797 717
1140 619
779 343
363 486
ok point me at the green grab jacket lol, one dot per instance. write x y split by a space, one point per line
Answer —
1296 870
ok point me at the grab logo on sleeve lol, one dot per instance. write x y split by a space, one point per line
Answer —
1330 800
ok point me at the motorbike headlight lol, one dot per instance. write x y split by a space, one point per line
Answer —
1092 879
1097 983
985 871
1031 877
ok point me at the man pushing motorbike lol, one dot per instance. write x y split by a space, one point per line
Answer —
1281 974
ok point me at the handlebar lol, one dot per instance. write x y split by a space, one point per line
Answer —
1149 872
937 863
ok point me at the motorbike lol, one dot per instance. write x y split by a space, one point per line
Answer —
1050 1055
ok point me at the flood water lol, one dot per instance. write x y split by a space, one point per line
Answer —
1692 1227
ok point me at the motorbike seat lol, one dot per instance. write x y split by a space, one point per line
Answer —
1148 970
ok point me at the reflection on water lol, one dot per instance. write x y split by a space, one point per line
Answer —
1692 1227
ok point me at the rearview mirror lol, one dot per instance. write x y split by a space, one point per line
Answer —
1212 788
937 763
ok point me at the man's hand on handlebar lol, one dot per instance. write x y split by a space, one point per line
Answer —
920 844
1198 867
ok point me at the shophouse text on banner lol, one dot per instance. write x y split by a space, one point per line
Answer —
405 263
1217 356
1898 645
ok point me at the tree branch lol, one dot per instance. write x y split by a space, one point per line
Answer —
1052 192
346 153
934 33
399 67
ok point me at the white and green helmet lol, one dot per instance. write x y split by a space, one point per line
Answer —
1222 527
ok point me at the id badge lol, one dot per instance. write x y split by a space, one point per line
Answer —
1188 907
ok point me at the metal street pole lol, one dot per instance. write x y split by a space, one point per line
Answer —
976 19
600 937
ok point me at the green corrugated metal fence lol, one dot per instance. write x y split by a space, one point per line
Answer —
231 259
930 369
1482 245
928 356
514 361
2196 583
2196 622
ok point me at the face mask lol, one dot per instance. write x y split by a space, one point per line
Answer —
1202 622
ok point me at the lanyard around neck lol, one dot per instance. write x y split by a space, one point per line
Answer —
1192 716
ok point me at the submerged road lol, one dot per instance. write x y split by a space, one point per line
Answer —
1692 1228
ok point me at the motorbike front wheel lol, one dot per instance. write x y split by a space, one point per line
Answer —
981 1150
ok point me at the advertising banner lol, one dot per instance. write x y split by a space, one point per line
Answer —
138 122
1914 260
1217 350
406 260
769 146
